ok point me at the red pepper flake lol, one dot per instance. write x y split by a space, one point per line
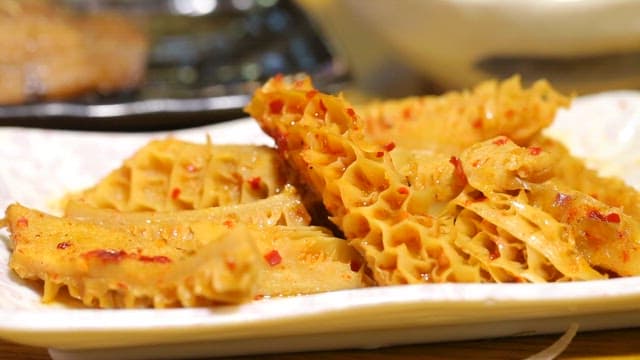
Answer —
380 154
406 113
500 141
535 150
610 218
175 193
22 222
476 163
403 190
593 240
63 245
351 113
275 106
390 146
477 123
273 257
231 265
255 182
596 215
458 170
625 256
106 255
509 113
278 77
311 93
561 200
613 218
154 259
228 223
298 83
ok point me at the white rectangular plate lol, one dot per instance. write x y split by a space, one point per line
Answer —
39 166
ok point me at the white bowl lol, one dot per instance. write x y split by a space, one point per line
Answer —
581 45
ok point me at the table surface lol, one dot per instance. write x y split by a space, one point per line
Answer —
611 344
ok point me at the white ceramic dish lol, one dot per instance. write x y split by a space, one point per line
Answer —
41 165
581 45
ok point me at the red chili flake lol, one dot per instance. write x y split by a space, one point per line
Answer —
228 223
311 93
154 259
231 265
613 218
535 150
610 218
351 113
500 141
596 215
273 257
106 255
175 193
355 265
275 106
593 240
406 113
63 245
509 113
380 154
390 146
458 170
278 77
298 83
255 182
476 163
561 200
625 256
477 123
22 222
403 190
191 168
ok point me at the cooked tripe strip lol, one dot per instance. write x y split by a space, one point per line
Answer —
514 235
517 241
306 260
368 198
455 120
173 175
302 259
285 208
168 263
576 232
605 235
106 267
572 172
